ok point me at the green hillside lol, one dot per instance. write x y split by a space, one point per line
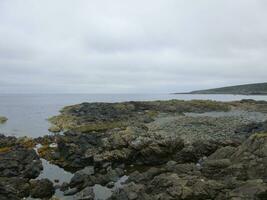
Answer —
248 89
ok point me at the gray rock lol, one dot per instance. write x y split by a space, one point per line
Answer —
42 188
87 170
71 191
85 194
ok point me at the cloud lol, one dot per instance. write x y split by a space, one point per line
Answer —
126 46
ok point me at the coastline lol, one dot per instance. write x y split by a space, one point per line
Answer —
149 143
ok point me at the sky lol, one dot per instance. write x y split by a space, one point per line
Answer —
126 46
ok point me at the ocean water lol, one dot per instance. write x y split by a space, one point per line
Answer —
28 113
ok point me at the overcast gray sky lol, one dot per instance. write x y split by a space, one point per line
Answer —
126 46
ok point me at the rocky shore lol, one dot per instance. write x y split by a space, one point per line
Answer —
167 150
19 165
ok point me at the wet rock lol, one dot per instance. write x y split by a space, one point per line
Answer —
110 184
64 186
78 180
254 127
71 191
42 188
81 180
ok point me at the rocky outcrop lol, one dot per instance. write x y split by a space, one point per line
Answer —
229 173
18 164
18 161
42 188
134 145
166 153
88 117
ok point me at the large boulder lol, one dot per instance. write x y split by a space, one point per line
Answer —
14 187
18 161
252 154
192 152
42 188
86 194
248 161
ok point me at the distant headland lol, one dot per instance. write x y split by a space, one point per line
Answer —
247 89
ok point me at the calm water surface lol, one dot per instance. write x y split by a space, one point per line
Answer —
27 113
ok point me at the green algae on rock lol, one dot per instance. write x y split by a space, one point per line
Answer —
87 117
3 119
54 129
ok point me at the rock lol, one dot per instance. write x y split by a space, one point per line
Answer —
7 141
252 156
223 153
254 189
87 170
54 129
20 162
111 184
64 186
254 127
215 168
229 173
81 180
131 191
78 180
193 152
3 119
42 188
7 193
86 194
16 186
71 191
